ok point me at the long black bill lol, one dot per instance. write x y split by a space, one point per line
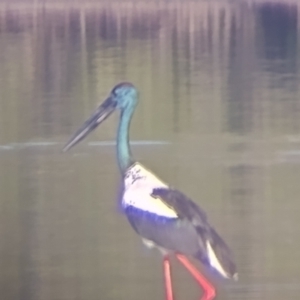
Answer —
102 112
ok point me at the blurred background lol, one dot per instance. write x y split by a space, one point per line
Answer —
218 118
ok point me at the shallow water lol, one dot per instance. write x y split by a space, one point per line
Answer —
218 118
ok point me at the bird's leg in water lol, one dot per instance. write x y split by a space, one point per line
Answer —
168 279
209 290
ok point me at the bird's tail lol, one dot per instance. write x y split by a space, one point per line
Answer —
218 256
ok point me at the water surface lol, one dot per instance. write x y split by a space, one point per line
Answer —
219 118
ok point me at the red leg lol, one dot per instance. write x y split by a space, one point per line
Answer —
168 280
209 290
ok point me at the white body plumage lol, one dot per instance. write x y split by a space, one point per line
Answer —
138 186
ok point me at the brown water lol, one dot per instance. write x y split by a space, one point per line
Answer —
219 118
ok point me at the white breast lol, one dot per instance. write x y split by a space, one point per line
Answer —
139 184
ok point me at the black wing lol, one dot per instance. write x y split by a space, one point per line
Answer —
183 206
189 211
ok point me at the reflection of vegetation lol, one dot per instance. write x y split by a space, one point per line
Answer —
186 59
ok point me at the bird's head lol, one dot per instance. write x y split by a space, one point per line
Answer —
123 96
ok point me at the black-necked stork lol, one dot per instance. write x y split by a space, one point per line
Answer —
164 217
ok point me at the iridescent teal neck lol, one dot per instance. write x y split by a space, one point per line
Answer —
123 148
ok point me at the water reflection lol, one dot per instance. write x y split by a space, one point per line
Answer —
219 107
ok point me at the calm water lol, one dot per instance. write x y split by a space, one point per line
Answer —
219 118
